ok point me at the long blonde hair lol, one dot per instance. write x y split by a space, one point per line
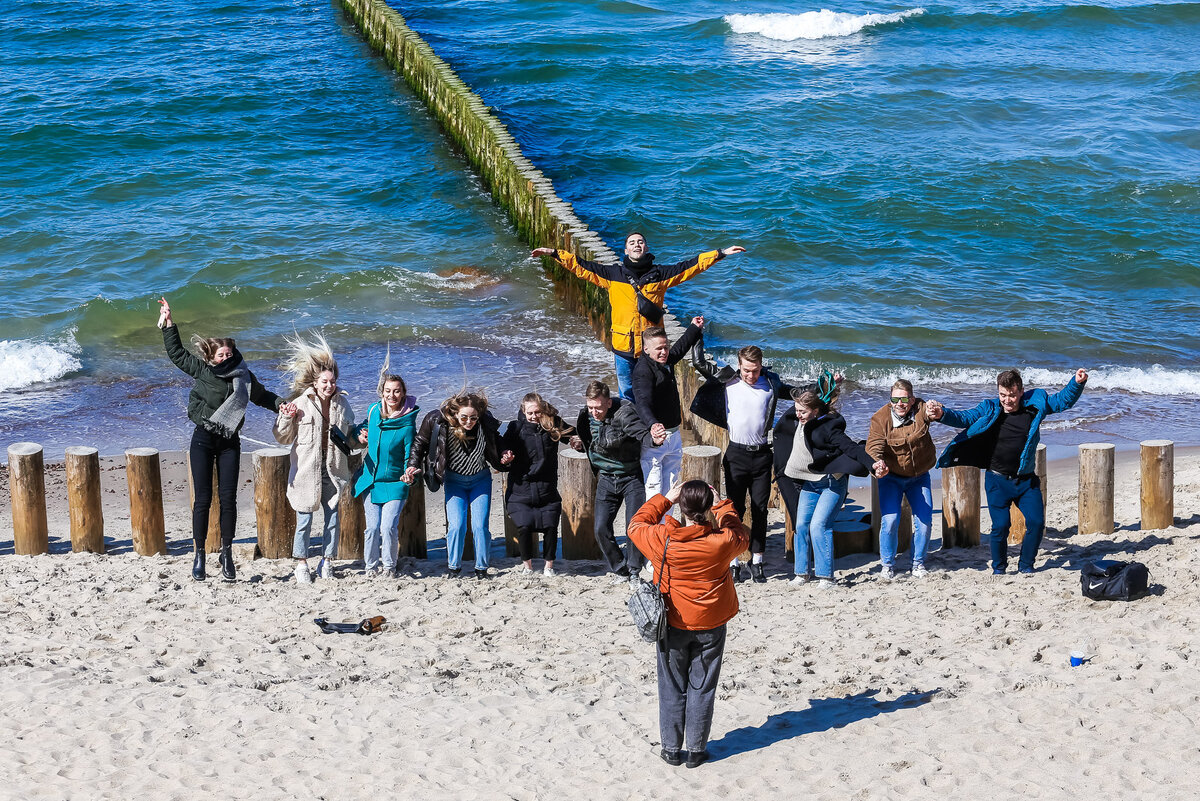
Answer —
452 406
208 346
549 415
307 360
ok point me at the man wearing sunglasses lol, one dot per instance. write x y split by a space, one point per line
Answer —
1001 436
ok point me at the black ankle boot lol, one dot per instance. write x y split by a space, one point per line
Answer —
226 559
198 565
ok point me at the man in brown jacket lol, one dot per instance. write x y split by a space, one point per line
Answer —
899 437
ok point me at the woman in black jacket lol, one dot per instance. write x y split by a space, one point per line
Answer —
532 498
813 461
217 405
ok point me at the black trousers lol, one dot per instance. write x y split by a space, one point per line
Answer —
611 492
749 471
527 539
206 450
689 667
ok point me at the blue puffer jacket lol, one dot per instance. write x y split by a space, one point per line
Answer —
978 420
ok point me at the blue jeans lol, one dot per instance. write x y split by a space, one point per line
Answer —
1026 493
383 533
304 521
820 502
463 492
892 490
624 366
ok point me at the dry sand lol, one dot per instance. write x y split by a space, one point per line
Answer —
122 678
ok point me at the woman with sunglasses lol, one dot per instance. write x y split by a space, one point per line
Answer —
899 437
455 445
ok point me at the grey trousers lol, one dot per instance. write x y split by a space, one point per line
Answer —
689 668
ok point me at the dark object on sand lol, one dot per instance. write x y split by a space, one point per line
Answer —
1107 580
368 626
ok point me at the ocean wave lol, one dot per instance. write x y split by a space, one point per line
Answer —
25 362
823 24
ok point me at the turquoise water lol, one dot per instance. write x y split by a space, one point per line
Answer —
938 192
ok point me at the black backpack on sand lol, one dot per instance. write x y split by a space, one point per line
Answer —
1107 580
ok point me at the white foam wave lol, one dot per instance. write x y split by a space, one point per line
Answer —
26 362
823 24
1153 380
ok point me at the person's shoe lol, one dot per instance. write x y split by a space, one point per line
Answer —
226 559
549 570
799 580
887 573
635 580
303 576
1026 570
198 565
393 572
524 571
736 572
919 571
673 758
826 584
997 571
481 574
325 569
696 758
758 574
373 572
453 572
619 578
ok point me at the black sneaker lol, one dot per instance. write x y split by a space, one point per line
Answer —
453 572
736 572
673 758
756 573
481 574
696 758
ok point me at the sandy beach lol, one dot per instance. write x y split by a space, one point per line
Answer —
123 677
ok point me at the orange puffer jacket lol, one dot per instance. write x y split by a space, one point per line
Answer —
696 583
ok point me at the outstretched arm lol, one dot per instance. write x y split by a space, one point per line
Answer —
1066 397
686 342
676 274
591 271
179 355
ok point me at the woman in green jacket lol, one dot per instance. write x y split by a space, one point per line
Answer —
217 405
388 433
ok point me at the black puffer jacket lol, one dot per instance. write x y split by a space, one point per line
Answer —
532 497
428 452
832 450
210 390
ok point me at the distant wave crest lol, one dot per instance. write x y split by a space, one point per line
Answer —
1154 380
821 24
27 362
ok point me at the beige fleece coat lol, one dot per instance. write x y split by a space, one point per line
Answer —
303 434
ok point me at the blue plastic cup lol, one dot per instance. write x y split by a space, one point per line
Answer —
1077 658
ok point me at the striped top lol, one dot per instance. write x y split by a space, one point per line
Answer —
466 460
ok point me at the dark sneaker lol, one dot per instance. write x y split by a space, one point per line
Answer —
696 758
736 572
673 758
453 572
481 574
757 573
1026 570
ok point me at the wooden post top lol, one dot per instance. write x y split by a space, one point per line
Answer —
141 452
702 450
571 453
1096 446
1157 443
266 453
23 449
81 450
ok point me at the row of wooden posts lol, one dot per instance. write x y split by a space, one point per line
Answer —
276 521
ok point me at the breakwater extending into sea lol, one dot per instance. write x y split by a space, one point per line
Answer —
936 195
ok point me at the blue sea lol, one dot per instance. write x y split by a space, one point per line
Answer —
936 192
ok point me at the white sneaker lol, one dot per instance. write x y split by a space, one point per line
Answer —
373 573
919 571
825 584
325 569
302 574
524 571
549 571
886 573
799 580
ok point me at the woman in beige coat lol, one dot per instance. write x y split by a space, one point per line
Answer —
317 433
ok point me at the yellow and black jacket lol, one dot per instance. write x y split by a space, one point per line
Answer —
627 323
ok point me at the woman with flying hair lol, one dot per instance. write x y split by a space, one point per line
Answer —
532 497
217 404
454 447
316 428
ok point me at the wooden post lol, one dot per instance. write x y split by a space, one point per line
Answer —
702 462
274 516
789 533
1097 475
144 474
352 518
1158 484
577 485
27 492
850 538
412 523
212 542
1016 533
83 500
960 507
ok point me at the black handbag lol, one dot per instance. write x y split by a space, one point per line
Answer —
1108 580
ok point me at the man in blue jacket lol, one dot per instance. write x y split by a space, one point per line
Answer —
1001 436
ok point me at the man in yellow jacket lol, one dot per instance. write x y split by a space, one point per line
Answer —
636 290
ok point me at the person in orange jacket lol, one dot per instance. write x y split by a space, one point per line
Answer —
691 562
636 288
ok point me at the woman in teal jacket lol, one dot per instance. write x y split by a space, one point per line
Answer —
388 433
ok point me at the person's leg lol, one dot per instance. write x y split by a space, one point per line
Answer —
634 495
833 495
1029 501
891 492
373 514
480 499
229 464
456 519
760 497
608 502
389 533
550 544
330 498
920 500
525 535
672 687
624 369
201 455
302 538
737 478
810 493
704 674
672 461
999 496
652 469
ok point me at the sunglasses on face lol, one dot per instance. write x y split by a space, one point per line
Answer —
464 419
899 401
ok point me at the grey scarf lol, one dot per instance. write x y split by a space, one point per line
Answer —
227 419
